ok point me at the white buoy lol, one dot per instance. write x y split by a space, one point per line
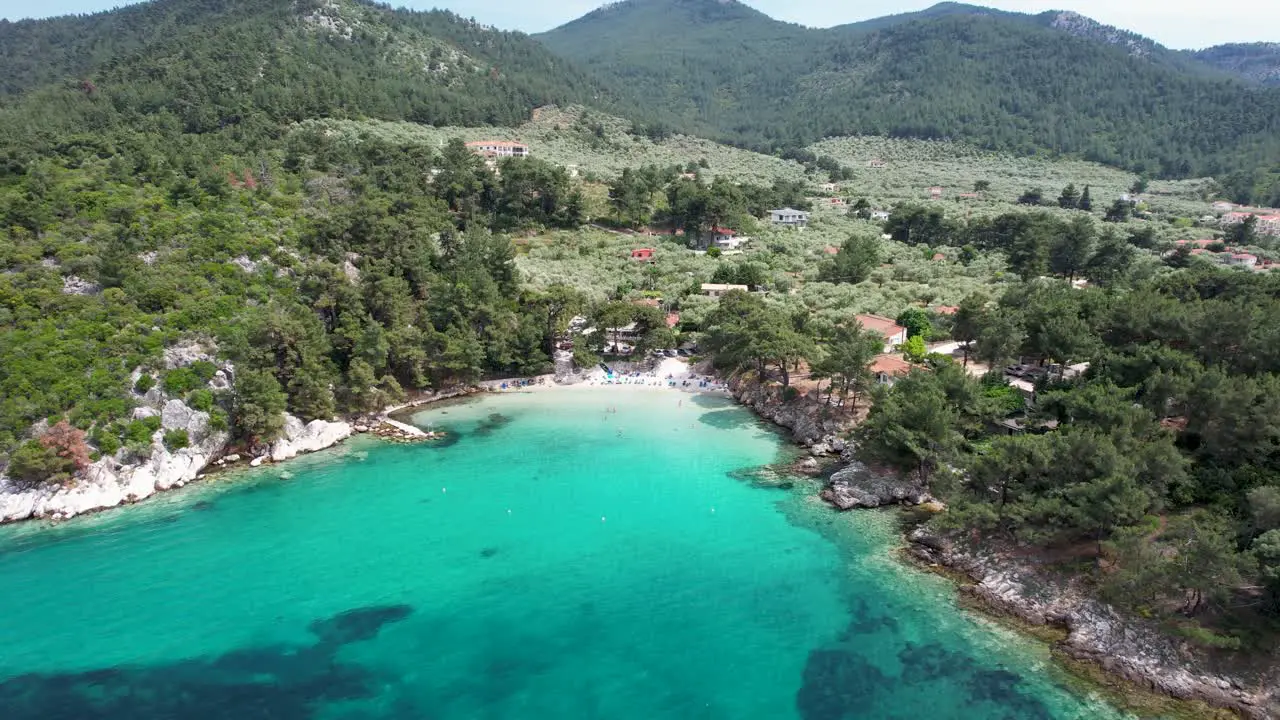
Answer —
601 518
508 511
444 489
713 510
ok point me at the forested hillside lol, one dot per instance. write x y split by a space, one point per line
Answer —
1259 62
199 66
1001 80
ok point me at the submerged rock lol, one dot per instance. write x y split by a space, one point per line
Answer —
857 486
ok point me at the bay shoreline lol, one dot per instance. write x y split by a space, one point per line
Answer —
984 584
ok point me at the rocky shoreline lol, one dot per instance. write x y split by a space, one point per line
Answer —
1129 649
113 482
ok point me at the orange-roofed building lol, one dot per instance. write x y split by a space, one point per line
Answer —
888 368
894 334
946 309
673 319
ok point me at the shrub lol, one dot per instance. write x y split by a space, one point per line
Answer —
57 455
180 381
139 432
107 443
176 439
201 399
145 383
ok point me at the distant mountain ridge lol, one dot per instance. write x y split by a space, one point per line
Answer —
1056 82
1259 62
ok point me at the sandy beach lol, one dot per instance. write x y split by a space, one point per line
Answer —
670 374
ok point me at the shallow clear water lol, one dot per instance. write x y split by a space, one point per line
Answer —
552 560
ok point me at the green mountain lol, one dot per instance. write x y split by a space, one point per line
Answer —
1002 80
209 64
1259 62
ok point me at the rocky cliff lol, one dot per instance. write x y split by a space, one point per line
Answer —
812 423
1124 646
114 480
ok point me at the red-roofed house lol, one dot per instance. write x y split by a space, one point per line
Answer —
1269 224
938 257
499 148
831 250
946 309
1233 218
1243 259
673 319
888 368
894 334
725 238
642 254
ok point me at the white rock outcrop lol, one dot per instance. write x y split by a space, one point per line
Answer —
299 438
108 482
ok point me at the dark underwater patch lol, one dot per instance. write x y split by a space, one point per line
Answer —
727 419
839 685
270 682
359 624
488 552
492 423
202 506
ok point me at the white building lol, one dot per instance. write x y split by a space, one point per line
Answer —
716 290
499 148
789 217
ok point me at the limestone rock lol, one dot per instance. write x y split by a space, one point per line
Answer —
857 486
108 482
72 285
187 352
315 435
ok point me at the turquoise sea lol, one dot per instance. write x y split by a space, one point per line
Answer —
586 553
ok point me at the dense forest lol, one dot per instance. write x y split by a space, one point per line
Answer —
202 66
1000 80
1157 465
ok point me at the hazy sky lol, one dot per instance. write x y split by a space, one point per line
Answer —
1176 23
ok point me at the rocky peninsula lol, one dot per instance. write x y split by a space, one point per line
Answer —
1007 584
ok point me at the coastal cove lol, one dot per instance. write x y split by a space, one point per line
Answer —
582 552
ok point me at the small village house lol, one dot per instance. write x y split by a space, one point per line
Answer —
673 319
1223 206
499 148
725 238
789 217
877 164
1269 224
642 254
894 334
880 215
1242 259
888 368
716 290
935 193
